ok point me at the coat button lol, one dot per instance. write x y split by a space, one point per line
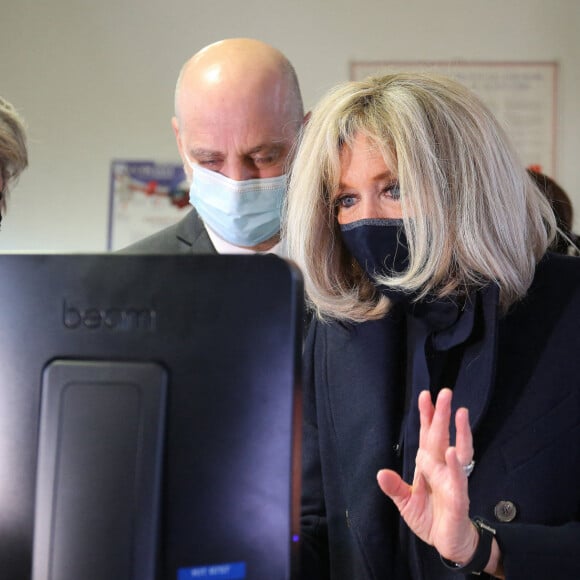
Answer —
505 511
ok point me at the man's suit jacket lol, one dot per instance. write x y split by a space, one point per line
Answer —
187 236
524 406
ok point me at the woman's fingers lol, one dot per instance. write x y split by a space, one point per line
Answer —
426 411
434 436
463 438
393 485
455 468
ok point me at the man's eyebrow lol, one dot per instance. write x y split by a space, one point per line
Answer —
199 152
268 148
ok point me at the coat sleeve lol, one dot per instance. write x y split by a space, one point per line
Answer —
539 551
314 536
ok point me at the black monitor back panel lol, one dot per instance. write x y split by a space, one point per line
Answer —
149 417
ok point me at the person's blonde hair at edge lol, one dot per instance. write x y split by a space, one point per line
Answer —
471 213
13 152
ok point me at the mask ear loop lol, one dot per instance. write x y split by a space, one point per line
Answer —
191 164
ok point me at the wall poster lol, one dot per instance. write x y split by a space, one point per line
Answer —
145 196
522 95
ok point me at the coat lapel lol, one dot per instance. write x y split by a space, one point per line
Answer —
190 233
364 383
474 385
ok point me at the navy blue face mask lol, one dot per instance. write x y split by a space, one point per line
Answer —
380 247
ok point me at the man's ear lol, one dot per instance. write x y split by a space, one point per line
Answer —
306 118
175 127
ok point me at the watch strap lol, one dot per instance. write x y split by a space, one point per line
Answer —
482 553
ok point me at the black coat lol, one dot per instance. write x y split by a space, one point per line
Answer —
524 402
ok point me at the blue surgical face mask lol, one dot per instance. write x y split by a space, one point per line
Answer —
243 213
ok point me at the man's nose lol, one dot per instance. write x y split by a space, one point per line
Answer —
239 171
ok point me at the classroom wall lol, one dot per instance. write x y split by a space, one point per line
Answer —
95 80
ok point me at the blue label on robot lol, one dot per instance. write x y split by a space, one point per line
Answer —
233 571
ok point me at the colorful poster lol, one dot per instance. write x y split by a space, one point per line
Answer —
145 196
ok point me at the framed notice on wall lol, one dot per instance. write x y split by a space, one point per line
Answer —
522 95
145 196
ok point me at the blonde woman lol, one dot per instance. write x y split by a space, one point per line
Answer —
442 389
13 152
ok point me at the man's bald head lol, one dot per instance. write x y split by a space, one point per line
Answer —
240 69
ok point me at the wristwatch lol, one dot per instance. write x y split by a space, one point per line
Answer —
482 551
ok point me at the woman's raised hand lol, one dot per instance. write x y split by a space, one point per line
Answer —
436 505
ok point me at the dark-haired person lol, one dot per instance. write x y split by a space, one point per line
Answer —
566 242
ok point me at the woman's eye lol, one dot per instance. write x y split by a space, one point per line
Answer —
345 201
393 190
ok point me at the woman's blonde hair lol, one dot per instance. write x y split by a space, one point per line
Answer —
471 213
13 152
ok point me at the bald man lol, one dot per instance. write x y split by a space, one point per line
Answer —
238 111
